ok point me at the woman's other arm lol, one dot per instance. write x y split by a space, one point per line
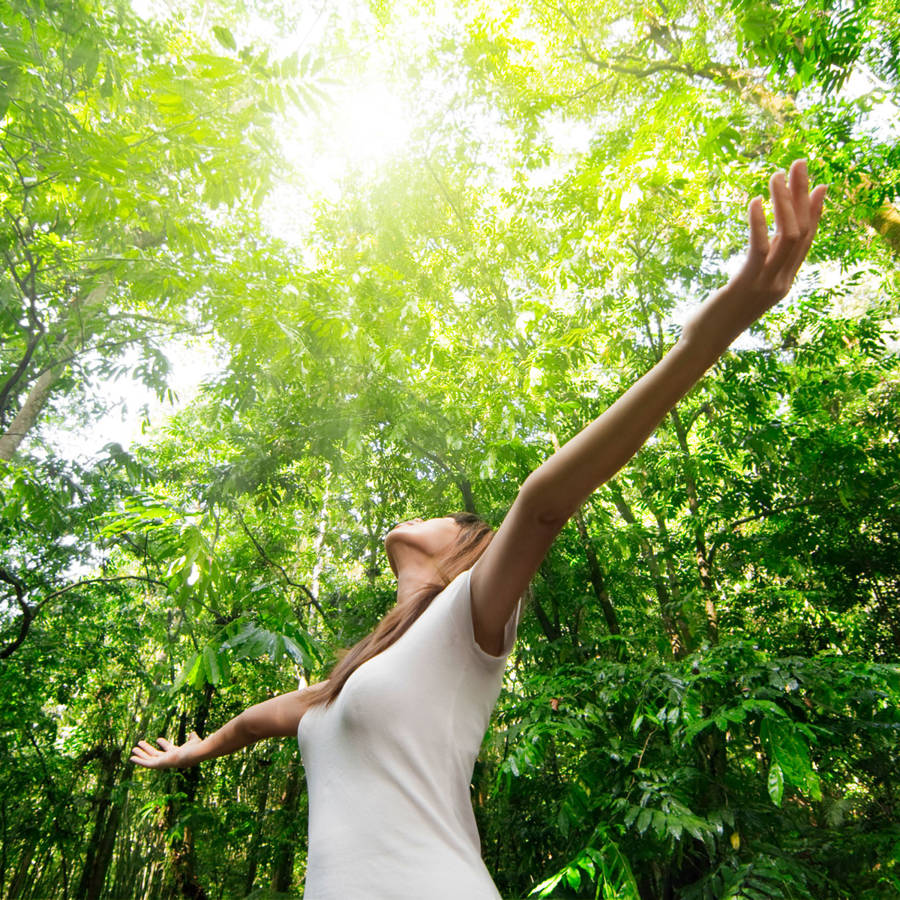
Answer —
278 717
552 493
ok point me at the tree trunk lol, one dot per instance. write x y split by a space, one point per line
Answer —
285 840
28 612
27 414
99 848
182 859
21 872
130 867
468 497
675 628
116 842
704 567
262 800
108 840
597 581
550 631
4 843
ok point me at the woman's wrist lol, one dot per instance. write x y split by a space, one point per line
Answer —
716 324
191 753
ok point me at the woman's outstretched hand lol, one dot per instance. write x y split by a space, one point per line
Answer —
169 757
278 717
771 264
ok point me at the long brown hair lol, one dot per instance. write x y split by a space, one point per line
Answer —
474 536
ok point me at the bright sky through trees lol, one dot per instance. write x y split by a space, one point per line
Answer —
360 124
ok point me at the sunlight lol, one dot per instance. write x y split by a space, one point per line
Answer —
371 125
362 129
359 131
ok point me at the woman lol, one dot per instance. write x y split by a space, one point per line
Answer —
389 752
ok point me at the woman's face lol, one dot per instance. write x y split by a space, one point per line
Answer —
429 538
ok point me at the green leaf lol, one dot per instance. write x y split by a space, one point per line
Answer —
224 37
775 783
644 820
211 664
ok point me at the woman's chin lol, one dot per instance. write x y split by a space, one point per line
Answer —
390 556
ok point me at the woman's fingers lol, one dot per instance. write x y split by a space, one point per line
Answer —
145 754
798 182
787 231
142 754
146 749
759 234
772 260
816 200
797 212
816 205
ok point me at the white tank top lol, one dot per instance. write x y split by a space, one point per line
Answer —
389 765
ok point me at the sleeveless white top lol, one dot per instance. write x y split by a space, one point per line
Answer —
389 765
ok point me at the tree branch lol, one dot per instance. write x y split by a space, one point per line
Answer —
677 633
287 578
28 612
110 580
717 542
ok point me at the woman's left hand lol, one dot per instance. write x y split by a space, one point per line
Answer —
771 264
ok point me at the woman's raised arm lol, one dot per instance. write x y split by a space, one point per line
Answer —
555 490
278 717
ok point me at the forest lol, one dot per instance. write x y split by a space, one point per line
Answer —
406 250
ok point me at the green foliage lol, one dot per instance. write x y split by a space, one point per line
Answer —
703 698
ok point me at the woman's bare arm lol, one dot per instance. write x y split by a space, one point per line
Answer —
554 491
278 717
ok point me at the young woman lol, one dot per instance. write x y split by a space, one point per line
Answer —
389 746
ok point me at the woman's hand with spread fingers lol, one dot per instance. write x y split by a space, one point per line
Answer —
169 757
277 717
771 265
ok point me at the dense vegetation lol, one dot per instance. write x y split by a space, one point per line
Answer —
703 701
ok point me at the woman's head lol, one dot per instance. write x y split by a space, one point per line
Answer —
441 547
447 545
